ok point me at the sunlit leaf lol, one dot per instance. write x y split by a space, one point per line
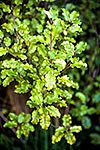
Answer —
50 80
35 117
3 51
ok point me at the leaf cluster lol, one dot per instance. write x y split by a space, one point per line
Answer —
38 46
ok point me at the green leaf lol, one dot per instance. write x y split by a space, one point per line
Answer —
83 110
36 97
26 129
7 81
35 117
16 11
50 98
96 98
66 14
19 132
81 46
35 23
95 138
1 34
9 27
62 103
91 111
74 15
26 21
5 7
66 120
12 116
21 117
7 41
3 51
86 122
50 80
78 63
60 64
76 129
52 13
59 133
53 111
45 121
18 2
65 80
42 50
22 56
10 124
81 96
74 29
39 85
22 87
11 63
27 118
23 30
32 48
1 13
70 6
69 136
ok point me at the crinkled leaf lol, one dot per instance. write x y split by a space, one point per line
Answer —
65 80
7 41
19 132
50 80
9 27
67 120
12 116
18 2
5 7
35 117
16 11
81 46
3 51
45 121
59 133
7 81
10 124
69 136
22 87
76 129
53 111
1 34
60 64
27 118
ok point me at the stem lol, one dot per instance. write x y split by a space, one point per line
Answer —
5 120
50 41
46 140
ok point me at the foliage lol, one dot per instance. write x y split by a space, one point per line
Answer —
38 46
86 107
88 94
66 131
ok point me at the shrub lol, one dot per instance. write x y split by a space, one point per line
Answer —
39 49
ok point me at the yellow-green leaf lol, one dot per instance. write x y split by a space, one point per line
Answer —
3 51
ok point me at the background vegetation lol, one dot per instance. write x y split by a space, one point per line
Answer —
86 109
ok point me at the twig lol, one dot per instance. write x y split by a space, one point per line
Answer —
5 120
